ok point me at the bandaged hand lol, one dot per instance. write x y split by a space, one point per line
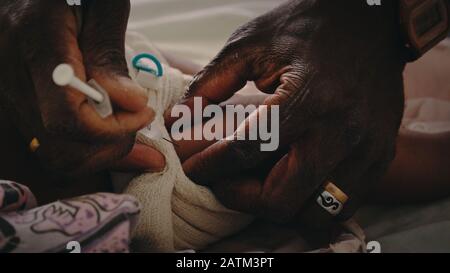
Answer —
36 36
335 70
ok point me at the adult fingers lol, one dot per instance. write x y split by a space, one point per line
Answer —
102 43
294 179
226 74
286 112
52 40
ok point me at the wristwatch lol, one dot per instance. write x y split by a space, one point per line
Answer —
424 23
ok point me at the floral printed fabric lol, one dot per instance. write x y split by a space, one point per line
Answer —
94 223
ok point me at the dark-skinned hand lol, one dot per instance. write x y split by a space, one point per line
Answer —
335 70
36 36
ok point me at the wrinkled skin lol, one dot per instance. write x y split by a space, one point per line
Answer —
36 36
335 69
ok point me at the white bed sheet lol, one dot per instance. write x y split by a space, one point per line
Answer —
196 29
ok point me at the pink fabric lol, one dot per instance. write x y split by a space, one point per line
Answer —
97 223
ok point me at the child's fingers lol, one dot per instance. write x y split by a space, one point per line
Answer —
142 158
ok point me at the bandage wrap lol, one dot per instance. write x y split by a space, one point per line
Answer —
176 214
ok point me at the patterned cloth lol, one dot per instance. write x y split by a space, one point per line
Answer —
94 223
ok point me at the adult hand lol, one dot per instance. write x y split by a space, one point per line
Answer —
36 36
335 70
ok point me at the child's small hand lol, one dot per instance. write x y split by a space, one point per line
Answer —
142 158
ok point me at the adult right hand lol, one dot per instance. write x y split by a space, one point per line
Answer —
335 70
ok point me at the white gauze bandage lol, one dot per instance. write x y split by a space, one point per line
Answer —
176 214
